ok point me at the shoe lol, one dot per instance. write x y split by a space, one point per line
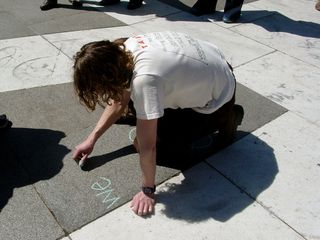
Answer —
76 3
202 7
49 4
109 2
228 132
4 123
134 4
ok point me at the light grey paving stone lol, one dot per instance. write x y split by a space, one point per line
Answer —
31 62
279 166
198 204
285 80
232 45
249 14
71 42
111 178
258 110
149 10
293 37
26 217
300 11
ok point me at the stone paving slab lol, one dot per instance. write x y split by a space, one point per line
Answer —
28 19
52 107
198 204
46 157
285 80
299 39
71 42
31 62
227 41
23 215
281 171
26 217
110 179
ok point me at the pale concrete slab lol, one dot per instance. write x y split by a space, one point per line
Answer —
71 42
281 171
233 45
149 10
198 204
31 62
248 14
285 80
298 10
296 38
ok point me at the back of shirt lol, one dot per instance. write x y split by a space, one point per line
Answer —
174 70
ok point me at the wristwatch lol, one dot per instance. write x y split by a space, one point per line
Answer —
148 190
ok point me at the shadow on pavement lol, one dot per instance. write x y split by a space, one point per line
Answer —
98 161
221 190
24 159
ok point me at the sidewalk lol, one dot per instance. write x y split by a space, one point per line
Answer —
264 186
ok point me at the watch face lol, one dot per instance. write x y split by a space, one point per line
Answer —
148 190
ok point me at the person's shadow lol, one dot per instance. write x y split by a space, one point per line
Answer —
25 158
272 21
222 186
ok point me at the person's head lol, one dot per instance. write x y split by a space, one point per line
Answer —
102 70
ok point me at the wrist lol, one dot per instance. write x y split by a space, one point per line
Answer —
92 138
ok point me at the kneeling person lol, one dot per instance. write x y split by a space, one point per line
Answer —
158 72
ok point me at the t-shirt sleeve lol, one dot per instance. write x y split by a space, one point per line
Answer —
147 96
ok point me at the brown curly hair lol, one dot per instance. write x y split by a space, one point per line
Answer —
102 70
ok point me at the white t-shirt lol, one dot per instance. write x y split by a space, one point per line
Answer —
174 70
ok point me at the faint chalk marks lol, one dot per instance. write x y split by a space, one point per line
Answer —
7 54
280 97
33 68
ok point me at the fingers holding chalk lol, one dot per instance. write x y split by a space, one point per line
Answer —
83 160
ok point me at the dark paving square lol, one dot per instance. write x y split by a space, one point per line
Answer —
24 18
48 122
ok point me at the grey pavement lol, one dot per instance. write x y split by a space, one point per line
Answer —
264 186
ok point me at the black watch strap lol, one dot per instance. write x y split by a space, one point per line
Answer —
148 190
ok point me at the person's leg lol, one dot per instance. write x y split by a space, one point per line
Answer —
174 138
202 7
226 120
48 4
76 3
232 10
134 4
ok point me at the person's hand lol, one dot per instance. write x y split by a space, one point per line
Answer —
82 151
143 204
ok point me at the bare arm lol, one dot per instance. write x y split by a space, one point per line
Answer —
143 204
109 116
